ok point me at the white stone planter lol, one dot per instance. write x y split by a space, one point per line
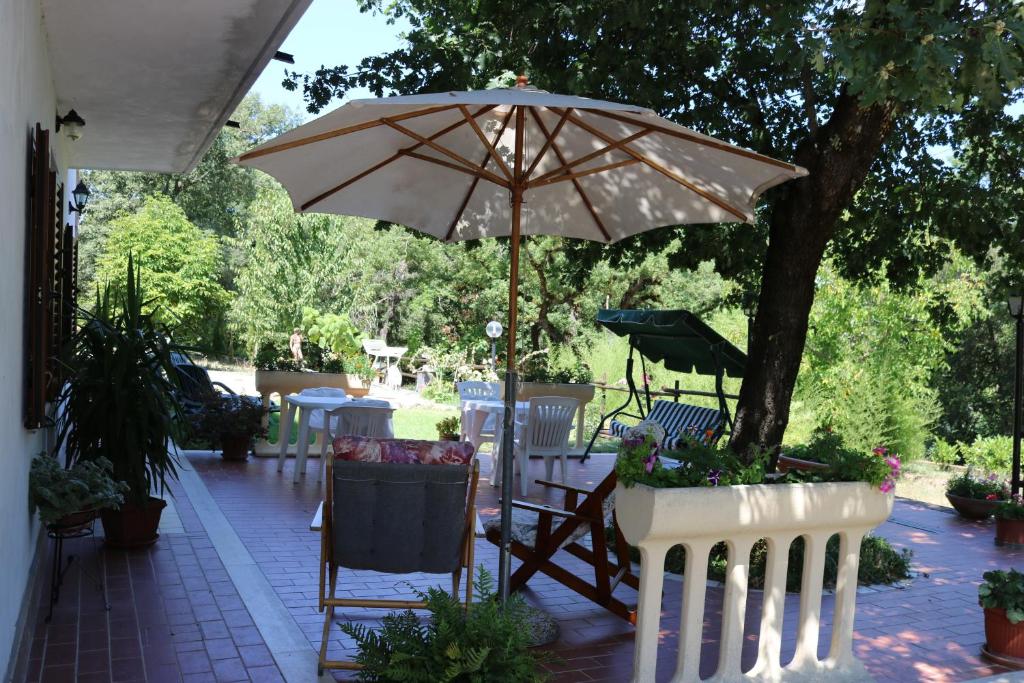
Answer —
657 519
283 382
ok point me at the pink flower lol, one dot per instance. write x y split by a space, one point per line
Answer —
887 485
991 496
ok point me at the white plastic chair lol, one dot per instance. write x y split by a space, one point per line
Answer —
372 418
485 430
546 433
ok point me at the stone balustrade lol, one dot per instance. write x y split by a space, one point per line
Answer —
697 518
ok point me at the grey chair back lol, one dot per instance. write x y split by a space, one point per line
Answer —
399 518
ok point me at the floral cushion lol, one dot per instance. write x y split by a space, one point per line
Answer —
367 449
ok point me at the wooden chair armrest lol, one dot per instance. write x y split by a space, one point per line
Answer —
563 487
556 512
318 518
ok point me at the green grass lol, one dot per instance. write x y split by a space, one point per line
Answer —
419 423
410 423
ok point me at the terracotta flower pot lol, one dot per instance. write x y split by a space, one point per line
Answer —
1004 642
133 526
1009 531
973 508
235 448
786 463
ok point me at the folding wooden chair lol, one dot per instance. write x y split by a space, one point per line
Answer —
396 506
536 538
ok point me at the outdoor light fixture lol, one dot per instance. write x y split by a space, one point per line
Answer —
72 124
494 330
81 198
1016 305
284 57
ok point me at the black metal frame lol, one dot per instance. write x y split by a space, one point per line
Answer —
635 394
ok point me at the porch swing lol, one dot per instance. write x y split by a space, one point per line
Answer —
684 343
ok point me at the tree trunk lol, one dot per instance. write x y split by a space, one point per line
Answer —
838 157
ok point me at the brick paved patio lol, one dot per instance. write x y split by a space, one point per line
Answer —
177 616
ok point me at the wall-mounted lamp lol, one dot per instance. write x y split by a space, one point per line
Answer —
72 124
81 198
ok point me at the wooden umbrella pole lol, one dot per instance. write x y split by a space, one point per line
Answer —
511 379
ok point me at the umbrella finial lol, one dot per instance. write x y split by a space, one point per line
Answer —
522 81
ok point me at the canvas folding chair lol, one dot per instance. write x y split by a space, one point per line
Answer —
540 531
397 506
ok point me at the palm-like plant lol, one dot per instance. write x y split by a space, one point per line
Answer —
119 400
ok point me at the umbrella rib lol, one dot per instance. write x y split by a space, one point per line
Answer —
469 165
492 152
671 175
587 157
575 183
342 131
472 186
714 144
549 139
541 182
394 157
452 165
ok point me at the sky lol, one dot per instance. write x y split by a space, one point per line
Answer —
331 32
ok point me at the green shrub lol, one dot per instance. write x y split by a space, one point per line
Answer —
486 644
989 454
945 453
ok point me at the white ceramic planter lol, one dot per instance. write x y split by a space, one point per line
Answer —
657 519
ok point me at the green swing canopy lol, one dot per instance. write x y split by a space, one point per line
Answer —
679 338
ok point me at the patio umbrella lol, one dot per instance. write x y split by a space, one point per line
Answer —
465 165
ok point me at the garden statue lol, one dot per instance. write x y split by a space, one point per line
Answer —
295 344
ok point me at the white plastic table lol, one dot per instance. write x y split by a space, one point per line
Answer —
307 404
476 410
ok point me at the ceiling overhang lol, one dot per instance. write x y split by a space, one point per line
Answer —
155 80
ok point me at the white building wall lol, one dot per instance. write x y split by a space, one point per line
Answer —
26 97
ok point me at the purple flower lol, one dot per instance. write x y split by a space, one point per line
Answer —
714 476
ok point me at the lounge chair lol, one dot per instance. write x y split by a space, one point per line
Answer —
537 537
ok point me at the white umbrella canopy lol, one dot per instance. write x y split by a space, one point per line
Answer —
511 162
626 170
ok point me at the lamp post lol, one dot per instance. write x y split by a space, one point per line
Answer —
1016 304
494 331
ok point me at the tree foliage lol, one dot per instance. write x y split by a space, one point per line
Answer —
856 92
179 263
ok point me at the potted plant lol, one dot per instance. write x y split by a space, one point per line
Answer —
449 428
119 403
1002 597
231 423
68 499
486 642
976 497
1010 522
277 372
